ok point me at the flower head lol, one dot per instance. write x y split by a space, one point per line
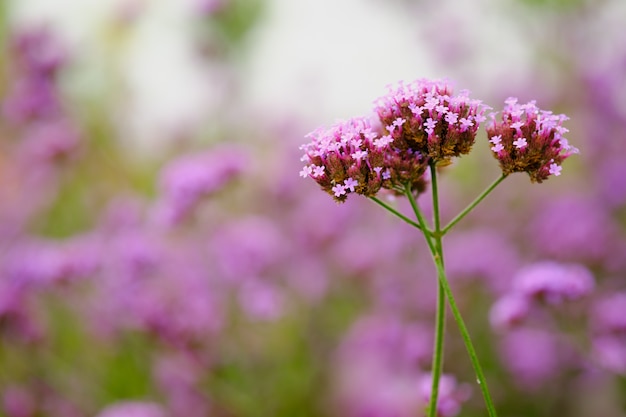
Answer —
437 123
353 156
529 140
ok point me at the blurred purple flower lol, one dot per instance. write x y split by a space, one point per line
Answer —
360 252
611 179
37 56
509 311
178 376
18 401
41 263
574 228
451 394
209 7
123 212
134 254
533 356
386 339
31 98
133 409
261 301
366 388
481 253
609 314
188 179
182 311
315 220
246 247
610 353
163 290
38 51
554 282
50 142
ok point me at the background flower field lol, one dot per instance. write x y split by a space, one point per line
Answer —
160 255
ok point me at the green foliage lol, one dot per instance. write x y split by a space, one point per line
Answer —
555 4
281 368
237 18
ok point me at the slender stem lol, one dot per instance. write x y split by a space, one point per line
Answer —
440 320
473 204
455 310
394 211
435 189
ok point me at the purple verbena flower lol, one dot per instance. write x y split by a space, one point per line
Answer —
555 169
451 118
339 190
445 126
419 122
357 158
350 184
531 140
497 148
520 143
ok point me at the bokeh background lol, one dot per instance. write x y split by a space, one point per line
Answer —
160 256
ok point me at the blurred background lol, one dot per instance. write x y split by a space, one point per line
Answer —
160 256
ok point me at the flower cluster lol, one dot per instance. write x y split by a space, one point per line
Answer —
419 122
430 119
529 139
352 157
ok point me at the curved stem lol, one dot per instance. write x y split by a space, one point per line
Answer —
394 211
473 204
440 319
455 310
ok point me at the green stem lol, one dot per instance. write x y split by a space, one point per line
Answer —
440 320
455 310
394 211
473 204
